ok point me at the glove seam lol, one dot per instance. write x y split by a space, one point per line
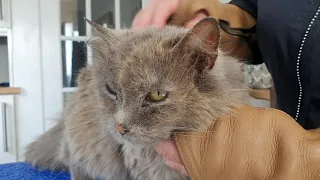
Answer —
182 157
192 157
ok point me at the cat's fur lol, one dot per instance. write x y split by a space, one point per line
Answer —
202 84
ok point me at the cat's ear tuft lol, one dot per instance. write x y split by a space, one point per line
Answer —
203 42
100 31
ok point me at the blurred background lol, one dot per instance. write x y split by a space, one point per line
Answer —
41 51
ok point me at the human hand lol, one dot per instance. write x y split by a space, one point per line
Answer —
168 150
157 13
251 143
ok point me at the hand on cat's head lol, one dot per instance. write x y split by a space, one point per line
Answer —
154 81
158 12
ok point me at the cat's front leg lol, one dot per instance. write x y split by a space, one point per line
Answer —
79 174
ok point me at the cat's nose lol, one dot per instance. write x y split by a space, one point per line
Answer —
121 128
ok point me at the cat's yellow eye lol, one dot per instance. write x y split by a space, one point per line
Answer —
157 95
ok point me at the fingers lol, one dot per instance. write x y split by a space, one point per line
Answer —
200 15
168 150
158 12
176 166
164 11
141 20
155 13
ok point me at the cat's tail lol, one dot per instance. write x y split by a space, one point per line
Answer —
43 153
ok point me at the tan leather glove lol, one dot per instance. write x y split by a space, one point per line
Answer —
237 35
252 143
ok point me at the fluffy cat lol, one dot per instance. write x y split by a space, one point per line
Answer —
143 86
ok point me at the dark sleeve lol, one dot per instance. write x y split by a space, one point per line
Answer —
248 5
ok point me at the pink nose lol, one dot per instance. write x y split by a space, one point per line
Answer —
121 128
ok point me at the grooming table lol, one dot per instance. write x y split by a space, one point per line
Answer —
24 171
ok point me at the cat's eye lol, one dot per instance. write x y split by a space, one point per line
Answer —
157 95
110 91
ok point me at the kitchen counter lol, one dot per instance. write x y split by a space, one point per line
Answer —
9 90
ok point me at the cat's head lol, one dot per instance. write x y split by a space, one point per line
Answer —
155 81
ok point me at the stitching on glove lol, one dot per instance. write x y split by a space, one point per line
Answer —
183 159
194 164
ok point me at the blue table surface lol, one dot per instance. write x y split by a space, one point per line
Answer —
24 171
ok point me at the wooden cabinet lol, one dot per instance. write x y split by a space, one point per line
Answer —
8 142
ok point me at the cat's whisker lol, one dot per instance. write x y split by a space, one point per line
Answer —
60 172
193 136
193 132
204 133
187 130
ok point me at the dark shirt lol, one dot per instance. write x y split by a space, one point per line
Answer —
288 35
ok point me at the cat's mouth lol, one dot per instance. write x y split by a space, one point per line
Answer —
134 138
139 135
143 139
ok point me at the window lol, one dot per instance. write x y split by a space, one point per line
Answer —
114 14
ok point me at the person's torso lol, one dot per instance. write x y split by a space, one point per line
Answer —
288 33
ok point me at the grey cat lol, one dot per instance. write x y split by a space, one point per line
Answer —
143 86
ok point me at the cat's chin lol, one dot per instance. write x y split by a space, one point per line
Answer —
138 137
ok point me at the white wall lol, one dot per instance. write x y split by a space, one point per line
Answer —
27 70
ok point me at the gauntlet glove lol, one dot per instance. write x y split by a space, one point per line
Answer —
252 143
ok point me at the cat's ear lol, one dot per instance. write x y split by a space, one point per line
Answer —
202 41
99 31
